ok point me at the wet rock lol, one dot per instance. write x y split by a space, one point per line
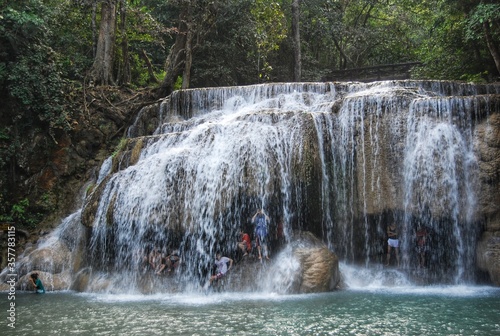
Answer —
305 265
320 270
487 147
488 256
319 266
53 259
51 282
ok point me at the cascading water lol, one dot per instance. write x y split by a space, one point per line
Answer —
197 182
440 170
341 160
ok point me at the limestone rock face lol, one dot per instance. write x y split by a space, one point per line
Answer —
487 147
52 265
488 255
53 259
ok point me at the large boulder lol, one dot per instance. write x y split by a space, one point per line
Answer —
319 270
319 266
305 265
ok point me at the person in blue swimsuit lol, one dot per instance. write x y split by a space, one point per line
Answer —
37 283
260 219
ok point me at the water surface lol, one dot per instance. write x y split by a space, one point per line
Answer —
454 310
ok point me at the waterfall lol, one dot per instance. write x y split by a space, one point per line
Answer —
341 160
440 170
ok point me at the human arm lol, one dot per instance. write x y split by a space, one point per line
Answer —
391 232
36 283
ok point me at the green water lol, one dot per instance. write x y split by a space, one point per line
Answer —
406 311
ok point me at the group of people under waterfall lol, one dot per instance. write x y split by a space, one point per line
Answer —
260 246
158 261
260 233
421 244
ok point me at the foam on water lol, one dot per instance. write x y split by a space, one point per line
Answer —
394 281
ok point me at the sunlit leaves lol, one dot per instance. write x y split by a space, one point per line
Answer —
482 14
270 30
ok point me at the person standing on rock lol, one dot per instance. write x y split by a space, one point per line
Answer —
260 220
392 242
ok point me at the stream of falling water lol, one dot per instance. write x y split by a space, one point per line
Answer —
342 160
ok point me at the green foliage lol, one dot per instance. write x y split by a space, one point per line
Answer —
178 83
228 53
475 78
143 33
121 145
438 37
3 72
18 212
8 147
33 78
36 82
482 14
71 26
270 29
21 214
25 214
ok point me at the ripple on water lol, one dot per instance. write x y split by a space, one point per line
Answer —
439 311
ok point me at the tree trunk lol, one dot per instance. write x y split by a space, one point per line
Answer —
126 74
94 29
186 76
491 45
152 77
297 70
176 57
102 69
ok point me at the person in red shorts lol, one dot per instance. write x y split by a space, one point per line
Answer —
245 245
222 267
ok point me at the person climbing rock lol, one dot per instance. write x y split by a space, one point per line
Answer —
222 267
245 244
